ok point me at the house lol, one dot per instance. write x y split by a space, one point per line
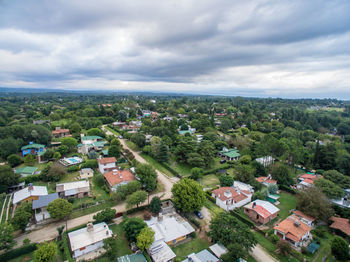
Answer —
29 194
310 221
118 177
39 206
273 198
307 180
106 164
294 230
266 180
94 146
85 140
161 252
266 161
77 189
229 198
261 211
202 256
341 224
33 149
148 138
190 131
132 258
88 239
85 173
229 154
26 171
40 122
58 132
218 250
243 186
119 124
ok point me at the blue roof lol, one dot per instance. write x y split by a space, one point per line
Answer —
313 247
44 201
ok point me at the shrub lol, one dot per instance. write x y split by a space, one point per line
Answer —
147 215
243 219
72 169
18 252
274 239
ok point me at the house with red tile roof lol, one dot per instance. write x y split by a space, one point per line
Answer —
58 132
118 177
304 218
341 224
294 230
106 164
307 180
229 198
261 211
266 180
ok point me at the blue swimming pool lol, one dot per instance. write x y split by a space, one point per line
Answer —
73 160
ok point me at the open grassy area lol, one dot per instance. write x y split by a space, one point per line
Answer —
156 164
97 191
209 181
214 209
194 246
30 257
123 244
182 169
132 145
69 177
287 202
93 209
60 122
111 130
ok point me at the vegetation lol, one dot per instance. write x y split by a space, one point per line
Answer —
145 238
132 227
46 252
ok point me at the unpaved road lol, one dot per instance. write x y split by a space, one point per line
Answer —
261 255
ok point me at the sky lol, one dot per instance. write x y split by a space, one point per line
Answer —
258 48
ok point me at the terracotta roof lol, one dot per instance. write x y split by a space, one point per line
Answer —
291 230
301 214
220 193
342 224
118 176
59 131
309 181
239 198
107 160
246 192
266 180
261 179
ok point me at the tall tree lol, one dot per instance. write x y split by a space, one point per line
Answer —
6 236
60 209
156 205
132 227
148 176
7 178
136 198
145 238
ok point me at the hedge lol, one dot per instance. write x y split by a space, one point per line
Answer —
243 219
209 197
136 209
171 170
18 252
214 170
287 188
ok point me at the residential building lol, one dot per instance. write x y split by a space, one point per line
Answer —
39 206
78 189
294 230
29 194
33 149
266 180
26 171
238 185
190 131
106 164
89 139
229 198
261 211
132 258
85 173
308 220
88 239
218 250
58 132
341 224
229 154
118 177
266 161
307 180
148 138
202 256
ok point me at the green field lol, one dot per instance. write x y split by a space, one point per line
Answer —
132 145
209 181
287 202
194 246
156 164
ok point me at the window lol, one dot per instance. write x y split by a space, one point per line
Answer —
82 248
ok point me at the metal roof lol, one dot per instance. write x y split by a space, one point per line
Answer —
44 201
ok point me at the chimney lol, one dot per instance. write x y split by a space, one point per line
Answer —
115 171
254 205
160 217
89 227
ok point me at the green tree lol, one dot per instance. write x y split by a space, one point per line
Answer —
95 132
282 174
188 195
14 160
69 142
6 236
46 252
156 205
75 128
8 147
57 155
132 227
112 248
114 151
29 160
337 178
244 173
226 181
122 116
196 173
330 189
105 215
340 248
7 178
163 154
22 216
115 142
155 144
63 149
139 139
60 209
148 176
136 198
53 172
145 239
207 151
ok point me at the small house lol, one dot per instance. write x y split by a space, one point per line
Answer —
33 149
85 173
39 206
229 154
202 256
340 225
307 180
88 239
229 198
78 189
26 171
59 133
118 177
266 180
106 164
29 194
261 211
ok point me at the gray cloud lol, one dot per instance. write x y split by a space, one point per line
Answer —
261 47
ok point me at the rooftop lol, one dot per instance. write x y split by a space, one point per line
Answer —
218 250
117 176
37 146
202 256
59 131
225 193
293 228
230 153
302 215
262 207
341 224
107 160
72 185
44 201
132 258
84 138
27 192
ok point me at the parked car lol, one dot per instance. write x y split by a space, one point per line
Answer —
120 137
222 161
199 214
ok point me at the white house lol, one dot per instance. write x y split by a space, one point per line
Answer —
106 164
86 140
29 194
265 160
238 185
229 198
88 239
39 206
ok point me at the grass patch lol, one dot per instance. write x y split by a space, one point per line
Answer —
60 122
287 202
93 209
69 177
97 191
182 169
209 181
123 246
112 131
214 209
30 257
5 209
156 164
132 145
194 246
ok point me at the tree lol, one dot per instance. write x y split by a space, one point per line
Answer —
8 146
163 155
69 142
340 248
132 227
57 155
111 247
328 188
115 142
105 215
284 247
188 195
196 173
207 151
228 230
45 252
29 160
122 116
53 172
148 176
114 151
244 173
343 164
95 132
272 189
63 149
145 239
155 144
337 178
235 252
139 139
60 209
22 216
7 178
75 128
281 173
6 236
14 160
314 203
156 205
136 198
226 181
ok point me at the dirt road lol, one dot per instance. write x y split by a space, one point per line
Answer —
261 255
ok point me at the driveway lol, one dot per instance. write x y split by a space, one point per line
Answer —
261 255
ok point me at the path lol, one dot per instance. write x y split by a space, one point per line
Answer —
261 255
2 210
8 208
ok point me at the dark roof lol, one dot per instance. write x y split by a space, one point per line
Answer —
44 201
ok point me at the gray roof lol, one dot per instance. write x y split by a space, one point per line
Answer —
71 192
44 201
202 256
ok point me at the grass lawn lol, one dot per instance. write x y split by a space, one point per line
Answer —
132 145
214 209
69 177
123 244
156 164
60 122
287 202
325 248
209 181
182 169
97 191
30 257
194 246
113 131
93 209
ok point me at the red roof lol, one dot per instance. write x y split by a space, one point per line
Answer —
259 210
59 131
266 180
302 215
309 181
342 224
235 196
293 228
107 160
118 176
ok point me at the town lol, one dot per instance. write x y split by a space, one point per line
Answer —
137 178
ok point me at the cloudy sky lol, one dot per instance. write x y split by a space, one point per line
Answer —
257 48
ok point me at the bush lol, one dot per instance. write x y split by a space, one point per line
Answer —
319 231
136 209
209 197
192 220
274 239
72 169
147 215
91 163
18 252
105 215
287 188
304 250
243 219
30 179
